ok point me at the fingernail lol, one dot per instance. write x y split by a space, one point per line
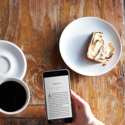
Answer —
42 107
42 97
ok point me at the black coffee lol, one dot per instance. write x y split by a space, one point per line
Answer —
12 96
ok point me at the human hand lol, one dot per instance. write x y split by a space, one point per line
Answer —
82 114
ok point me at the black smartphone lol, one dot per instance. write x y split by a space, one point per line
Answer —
57 96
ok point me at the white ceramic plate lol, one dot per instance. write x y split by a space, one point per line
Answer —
12 61
74 43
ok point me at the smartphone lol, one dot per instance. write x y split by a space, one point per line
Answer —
57 96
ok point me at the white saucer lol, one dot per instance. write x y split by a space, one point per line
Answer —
12 60
74 43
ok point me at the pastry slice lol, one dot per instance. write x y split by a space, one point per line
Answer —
98 50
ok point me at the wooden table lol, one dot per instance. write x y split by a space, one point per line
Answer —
35 26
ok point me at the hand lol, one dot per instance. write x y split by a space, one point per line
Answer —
82 114
43 106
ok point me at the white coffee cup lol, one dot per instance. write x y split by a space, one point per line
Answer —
2 81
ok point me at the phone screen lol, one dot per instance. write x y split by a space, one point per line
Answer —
57 95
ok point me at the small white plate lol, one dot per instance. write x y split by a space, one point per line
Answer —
12 61
74 43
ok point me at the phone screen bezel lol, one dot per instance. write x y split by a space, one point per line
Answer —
56 73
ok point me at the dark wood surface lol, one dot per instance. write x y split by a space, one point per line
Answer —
35 26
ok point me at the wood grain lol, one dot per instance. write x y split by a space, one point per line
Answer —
36 25
29 112
1 121
25 122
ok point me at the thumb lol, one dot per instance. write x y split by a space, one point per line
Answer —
77 99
